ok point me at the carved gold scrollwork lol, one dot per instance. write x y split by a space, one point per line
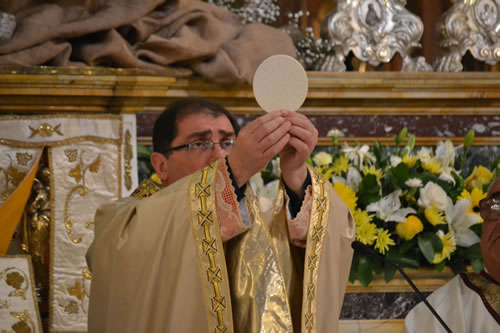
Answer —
127 155
374 30
469 25
78 174
46 130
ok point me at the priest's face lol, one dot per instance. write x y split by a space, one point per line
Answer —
490 236
193 148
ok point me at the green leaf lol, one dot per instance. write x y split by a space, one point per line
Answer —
439 267
404 260
389 271
402 135
469 139
429 243
407 245
401 173
143 151
473 252
353 274
377 150
411 142
368 190
365 271
477 264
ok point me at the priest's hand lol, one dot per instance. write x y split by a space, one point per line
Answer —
258 143
303 139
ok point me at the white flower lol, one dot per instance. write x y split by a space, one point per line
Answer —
424 154
359 155
336 179
433 195
445 153
334 133
395 160
322 158
446 175
353 178
414 182
389 208
460 220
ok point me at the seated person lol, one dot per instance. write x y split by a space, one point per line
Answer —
469 302
197 256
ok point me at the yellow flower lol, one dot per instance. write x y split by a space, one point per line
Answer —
154 177
346 194
341 164
383 240
449 246
432 166
434 216
372 170
409 160
480 176
362 217
475 196
407 230
327 172
366 233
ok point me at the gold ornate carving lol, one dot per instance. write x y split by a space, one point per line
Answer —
23 158
127 155
16 279
78 174
46 130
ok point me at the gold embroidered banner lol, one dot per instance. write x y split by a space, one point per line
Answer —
92 159
18 305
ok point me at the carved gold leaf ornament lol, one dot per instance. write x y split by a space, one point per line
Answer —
127 155
45 130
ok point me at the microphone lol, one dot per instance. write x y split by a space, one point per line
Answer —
358 246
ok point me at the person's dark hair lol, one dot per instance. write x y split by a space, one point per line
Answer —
165 127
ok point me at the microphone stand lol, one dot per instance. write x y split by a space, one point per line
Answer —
356 245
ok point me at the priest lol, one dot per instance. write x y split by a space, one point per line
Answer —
469 302
198 255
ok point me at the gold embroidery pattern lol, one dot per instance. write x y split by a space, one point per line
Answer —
78 173
211 257
16 279
13 177
4 304
78 291
127 155
146 189
23 158
315 239
25 324
45 130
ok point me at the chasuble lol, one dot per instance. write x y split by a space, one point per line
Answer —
160 264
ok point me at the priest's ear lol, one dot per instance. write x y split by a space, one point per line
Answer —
160 164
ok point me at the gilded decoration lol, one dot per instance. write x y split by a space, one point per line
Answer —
127 155
25 324
469 25
13 177
46 130
78 174
314 245
146 189
17 280
210 250
76 290
374 30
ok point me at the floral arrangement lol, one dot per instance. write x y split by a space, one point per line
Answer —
417 208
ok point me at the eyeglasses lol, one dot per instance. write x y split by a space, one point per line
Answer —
489 207
201 147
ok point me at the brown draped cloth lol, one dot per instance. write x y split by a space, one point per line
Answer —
165 37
